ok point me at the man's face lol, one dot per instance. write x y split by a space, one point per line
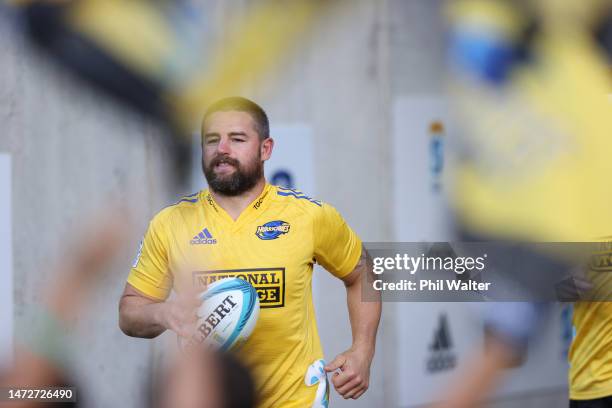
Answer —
232 153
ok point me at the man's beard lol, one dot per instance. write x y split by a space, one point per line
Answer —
240 181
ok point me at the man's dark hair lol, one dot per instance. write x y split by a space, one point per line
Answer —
240 104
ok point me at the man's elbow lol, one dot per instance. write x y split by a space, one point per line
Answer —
124 323
353 278
128 327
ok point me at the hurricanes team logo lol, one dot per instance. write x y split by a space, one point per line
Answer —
272 230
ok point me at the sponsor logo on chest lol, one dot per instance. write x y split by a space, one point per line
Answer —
268 282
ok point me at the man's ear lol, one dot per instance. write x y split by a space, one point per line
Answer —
267 145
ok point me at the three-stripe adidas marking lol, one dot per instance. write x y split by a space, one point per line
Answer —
204 237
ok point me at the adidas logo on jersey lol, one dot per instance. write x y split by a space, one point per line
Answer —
203 238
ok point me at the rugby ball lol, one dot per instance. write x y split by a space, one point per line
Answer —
228 314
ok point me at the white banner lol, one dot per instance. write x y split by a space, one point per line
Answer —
421 128
292 161
6 263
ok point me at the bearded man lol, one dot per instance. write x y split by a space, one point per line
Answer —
242 226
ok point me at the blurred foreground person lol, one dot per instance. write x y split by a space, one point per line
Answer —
43 353
531 92
204 379
43 358
159 57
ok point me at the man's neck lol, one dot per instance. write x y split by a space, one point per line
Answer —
235 205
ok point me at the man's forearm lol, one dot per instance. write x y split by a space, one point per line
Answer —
141 319
364 317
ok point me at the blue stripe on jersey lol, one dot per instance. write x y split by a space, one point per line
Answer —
191 198
182 200
292 193
207 233
291 189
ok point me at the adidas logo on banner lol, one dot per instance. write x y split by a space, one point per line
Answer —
441 357
203 238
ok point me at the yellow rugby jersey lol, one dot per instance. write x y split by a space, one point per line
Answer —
590 356
273 245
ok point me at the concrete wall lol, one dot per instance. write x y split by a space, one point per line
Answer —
72 150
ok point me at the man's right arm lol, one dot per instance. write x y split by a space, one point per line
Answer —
143 312
141 316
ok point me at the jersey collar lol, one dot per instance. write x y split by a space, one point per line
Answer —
252 211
